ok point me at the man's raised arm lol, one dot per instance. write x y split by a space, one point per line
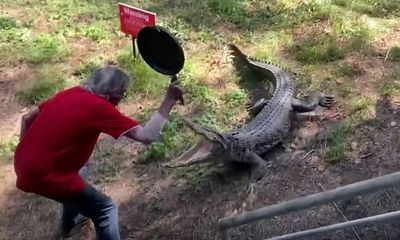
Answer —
151 131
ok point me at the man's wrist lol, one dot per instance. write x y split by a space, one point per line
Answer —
170 101
166 107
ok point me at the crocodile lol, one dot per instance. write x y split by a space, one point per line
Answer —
269 127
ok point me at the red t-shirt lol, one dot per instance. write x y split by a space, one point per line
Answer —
61 140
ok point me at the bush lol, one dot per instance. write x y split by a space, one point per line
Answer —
49 80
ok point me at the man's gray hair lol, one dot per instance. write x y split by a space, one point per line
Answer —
107 80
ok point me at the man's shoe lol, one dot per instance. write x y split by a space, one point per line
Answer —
79 222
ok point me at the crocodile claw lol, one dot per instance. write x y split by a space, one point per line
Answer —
257 173
326 100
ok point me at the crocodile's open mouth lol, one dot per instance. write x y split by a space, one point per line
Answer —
197 154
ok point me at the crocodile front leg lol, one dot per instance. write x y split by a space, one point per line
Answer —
259 167
310 103
258 106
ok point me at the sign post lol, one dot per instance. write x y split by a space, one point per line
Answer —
132 19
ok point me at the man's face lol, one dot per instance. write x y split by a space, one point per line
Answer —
117 96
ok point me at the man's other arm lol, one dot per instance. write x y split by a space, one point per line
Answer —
27 120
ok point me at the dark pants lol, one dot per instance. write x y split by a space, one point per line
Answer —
95 205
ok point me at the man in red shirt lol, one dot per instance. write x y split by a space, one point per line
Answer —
58 137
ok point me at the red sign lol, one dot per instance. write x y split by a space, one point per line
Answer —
133 19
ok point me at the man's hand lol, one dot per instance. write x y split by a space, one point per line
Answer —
174 91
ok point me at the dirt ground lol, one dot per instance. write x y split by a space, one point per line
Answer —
156 204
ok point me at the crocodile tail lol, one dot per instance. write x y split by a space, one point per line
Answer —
249 59
238 54
252 60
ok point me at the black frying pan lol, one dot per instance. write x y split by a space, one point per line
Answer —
161 51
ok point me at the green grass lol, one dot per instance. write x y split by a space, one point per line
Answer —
97 32
388 89
178 27
336 148
49 80
45 49
194 72
13 39
76 11
146 81
386 8
194 178
7 149
324 50
303 11
108 162
394 53
349 34
337 142
15 35
235 98
344 69
173 136
232 10
201 94
7 23
362 107
86 69
395 75
390 86
270 44
376 8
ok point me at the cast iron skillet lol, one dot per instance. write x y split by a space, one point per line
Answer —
160 50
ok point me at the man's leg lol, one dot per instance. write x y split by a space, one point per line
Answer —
70 215
101 209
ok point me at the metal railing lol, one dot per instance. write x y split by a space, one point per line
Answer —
340 193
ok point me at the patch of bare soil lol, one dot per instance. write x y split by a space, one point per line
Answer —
40 23
371 72
10 109
80 49
24 216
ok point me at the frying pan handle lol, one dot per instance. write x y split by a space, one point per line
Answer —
173 79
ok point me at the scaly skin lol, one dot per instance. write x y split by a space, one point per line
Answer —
269 127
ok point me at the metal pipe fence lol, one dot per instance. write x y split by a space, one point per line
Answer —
340 193
382 218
